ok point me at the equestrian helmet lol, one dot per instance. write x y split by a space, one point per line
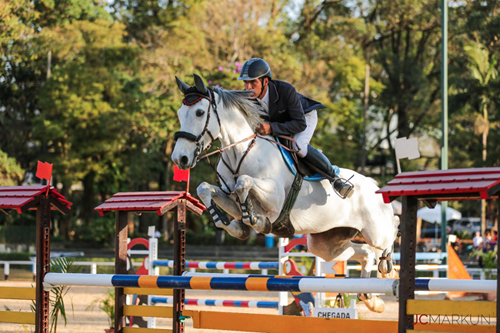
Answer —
255 68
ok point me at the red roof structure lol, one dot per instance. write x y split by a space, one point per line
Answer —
23 198
161 202
431 187
445 185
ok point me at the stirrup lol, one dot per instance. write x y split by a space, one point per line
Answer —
347 189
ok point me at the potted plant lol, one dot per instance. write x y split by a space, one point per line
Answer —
106 304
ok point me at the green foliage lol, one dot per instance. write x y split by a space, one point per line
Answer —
105 114
11 174
16 256
107 305
19 233
489 262
464 235
205 236
57 293
98 232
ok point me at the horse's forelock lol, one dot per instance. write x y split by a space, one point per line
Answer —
241 100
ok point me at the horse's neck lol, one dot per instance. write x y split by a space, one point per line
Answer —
234 128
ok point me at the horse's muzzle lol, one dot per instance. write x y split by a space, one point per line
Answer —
184 163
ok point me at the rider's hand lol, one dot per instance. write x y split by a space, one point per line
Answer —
264 129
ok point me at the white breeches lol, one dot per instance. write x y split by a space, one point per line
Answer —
303 138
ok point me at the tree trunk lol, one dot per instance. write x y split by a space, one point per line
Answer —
145 220
403 122
88 200
64 224
365 109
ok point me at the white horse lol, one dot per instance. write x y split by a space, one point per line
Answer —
260 175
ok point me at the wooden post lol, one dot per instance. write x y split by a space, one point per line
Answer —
407 271
179 264
120 266
42 264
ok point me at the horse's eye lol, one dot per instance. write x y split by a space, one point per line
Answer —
199 113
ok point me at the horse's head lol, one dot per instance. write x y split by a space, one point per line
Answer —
200 123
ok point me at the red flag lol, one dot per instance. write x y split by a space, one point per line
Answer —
44 170
181 175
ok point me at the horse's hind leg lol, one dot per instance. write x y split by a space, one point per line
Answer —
364 254
384 260
213 196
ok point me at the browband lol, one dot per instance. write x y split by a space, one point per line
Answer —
192 101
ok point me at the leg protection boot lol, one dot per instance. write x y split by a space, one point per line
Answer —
320 161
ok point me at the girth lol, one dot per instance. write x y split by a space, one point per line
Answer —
283 227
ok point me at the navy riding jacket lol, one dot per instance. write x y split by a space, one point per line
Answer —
287 108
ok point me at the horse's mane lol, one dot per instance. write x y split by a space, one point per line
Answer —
241 100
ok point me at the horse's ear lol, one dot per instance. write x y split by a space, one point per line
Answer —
183 87
200 85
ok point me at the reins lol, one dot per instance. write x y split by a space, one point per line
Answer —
235 173
253 136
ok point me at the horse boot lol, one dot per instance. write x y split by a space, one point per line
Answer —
320 161
247 212
217 215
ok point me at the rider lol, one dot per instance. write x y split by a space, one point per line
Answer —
292 115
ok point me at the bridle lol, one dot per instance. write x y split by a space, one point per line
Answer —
190 136
200 143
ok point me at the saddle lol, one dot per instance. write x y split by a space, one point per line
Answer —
297 164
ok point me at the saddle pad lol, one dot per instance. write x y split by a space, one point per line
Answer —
293 168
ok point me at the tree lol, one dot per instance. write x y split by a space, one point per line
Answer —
11 174
482 68
88 106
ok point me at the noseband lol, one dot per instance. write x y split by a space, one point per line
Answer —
192 137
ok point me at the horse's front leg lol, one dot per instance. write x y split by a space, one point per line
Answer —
212 196
267 198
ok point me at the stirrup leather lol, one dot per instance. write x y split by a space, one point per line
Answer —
217 214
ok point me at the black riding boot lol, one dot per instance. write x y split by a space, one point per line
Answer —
320 161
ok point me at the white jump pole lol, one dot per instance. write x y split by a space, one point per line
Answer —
303 284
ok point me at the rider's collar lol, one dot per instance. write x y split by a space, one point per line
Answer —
193 96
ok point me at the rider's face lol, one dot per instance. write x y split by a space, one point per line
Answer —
256 86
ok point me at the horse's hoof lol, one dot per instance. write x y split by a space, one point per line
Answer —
268 227
374 303
391 275
385 266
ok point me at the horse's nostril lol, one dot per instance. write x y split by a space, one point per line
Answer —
184 160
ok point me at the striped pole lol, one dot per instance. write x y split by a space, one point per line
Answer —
219 302
302 284
220 265
241 275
